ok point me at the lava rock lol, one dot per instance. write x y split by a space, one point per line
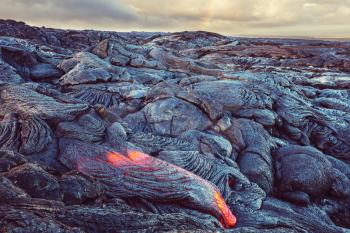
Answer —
308 170
35 181
140 132
45 71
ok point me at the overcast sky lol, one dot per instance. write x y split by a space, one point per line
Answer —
315 18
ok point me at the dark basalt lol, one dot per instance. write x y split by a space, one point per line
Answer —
166 132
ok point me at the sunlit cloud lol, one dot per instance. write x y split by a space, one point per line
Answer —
68 13
318 18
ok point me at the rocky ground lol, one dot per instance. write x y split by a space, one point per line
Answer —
178 132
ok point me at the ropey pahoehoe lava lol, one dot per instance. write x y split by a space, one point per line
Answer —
162 132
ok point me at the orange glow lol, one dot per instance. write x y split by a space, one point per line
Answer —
133 158
117 159
137 156
229 219
143 161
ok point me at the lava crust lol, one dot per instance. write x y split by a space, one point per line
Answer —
164 132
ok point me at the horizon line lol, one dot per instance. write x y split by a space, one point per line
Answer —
253 36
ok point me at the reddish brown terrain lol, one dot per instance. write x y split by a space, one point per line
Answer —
172 132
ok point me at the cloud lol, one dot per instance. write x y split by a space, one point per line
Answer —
235 17
92 12
301 17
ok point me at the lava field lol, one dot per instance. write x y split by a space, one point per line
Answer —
172 132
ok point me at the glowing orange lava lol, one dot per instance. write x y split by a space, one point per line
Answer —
137 156
117 159
229 219
133 158
141 160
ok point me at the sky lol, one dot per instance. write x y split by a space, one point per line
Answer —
290 18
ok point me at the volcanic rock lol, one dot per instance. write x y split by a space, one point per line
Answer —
167 132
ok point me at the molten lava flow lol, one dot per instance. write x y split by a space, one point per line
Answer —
138 157
141 162
229 219
117 159
133 158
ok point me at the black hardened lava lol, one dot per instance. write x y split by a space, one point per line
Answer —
172 132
